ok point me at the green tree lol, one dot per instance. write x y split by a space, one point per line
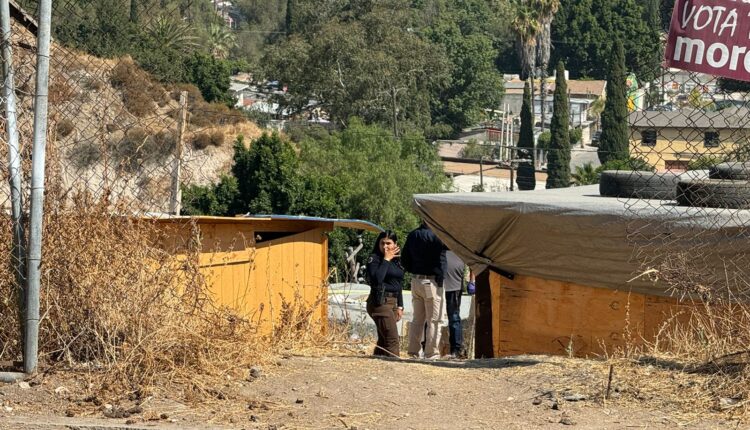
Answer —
290 22
216 200
475 83
211 76
558 157
613 143
586 29
267 177
370 64
526 179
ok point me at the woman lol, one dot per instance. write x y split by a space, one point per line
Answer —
386 302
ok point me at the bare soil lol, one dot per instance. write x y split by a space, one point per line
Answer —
355 391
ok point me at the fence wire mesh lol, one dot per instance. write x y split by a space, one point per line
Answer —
691 131
113 138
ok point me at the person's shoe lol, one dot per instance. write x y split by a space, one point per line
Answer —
433 357
414 356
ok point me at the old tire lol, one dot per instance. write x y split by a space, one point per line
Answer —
734 171
638 185
714 193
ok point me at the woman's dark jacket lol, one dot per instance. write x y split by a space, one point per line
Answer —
385 276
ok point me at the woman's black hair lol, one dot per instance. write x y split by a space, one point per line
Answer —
387 234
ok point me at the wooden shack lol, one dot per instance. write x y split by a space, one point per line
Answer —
560 270
257 266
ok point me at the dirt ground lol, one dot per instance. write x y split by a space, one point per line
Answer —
355 391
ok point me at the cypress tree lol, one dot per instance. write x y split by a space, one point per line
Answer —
558 158
290 22
613 144
526 179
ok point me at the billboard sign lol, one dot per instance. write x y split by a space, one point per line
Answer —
710 36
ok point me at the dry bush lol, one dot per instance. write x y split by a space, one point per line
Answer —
201 140
85 154
94 84
60 91
139 148
116 304
65 127
214 114
140 93
217 138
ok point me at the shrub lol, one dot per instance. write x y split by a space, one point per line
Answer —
704 162
138 102
213 114
543 141
166 141
576 134
217 138
632 164
139 93
65 127
85 154
94 84
139 148
60 91
201 140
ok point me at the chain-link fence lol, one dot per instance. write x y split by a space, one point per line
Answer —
120 145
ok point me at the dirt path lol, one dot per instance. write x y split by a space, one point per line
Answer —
359 392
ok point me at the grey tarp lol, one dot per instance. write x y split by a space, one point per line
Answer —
574 235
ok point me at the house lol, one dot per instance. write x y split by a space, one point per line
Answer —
556 273
582 95
258 266
669 140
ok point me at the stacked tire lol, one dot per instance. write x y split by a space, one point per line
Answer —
727 186
638 184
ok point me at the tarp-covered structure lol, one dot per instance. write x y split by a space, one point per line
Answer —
575 235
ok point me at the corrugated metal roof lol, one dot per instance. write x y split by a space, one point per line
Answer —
357 224
249 219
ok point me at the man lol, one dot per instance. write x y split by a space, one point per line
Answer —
424 257
453 284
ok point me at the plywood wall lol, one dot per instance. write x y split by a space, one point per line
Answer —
258 282
536 316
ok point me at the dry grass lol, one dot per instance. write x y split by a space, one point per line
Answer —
698 362
133 317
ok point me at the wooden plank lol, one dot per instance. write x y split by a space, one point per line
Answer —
537 316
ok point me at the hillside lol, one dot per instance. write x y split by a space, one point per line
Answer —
113 129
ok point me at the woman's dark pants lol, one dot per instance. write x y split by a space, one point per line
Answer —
385 321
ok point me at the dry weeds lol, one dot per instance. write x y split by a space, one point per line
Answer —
698 361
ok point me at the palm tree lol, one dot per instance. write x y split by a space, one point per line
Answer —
546 10
526 26
171 33
585 175
220 41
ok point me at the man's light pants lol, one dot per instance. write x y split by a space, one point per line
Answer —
427 302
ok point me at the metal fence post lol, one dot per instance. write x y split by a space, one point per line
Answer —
14 157
31 344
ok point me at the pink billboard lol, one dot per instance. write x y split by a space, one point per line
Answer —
710 36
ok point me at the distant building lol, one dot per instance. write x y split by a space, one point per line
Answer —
670 140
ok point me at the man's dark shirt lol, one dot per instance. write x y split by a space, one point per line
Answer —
389 274
424 254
